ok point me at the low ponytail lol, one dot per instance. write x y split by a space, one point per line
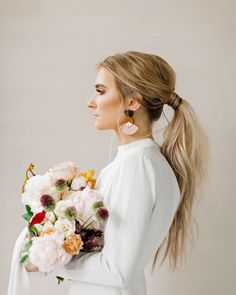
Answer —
185 147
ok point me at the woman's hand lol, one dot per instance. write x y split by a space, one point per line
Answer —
31 268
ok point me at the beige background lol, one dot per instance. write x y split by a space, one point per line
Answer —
48 51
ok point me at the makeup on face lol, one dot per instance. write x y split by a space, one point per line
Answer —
105 102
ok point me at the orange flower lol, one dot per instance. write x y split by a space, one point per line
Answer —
73 244
47 231
89 177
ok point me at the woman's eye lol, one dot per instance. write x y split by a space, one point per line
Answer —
100 91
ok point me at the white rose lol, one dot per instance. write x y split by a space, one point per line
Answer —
65 227
65 170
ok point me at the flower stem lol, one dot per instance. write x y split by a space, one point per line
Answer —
55 215
87 220
88 224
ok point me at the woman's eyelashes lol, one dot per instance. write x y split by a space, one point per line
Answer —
100 91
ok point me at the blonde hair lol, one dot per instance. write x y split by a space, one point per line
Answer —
185 144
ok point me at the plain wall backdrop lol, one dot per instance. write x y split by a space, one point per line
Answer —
48 52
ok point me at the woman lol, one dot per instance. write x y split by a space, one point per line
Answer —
148 189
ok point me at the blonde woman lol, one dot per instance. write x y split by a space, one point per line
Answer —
149 189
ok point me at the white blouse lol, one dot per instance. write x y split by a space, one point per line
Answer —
141 192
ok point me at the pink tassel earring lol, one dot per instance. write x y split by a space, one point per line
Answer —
129 127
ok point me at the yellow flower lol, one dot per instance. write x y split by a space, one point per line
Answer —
73 244
89 177
47 231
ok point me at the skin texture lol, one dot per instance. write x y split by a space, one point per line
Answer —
106 103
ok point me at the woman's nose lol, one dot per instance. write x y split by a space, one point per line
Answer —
90 102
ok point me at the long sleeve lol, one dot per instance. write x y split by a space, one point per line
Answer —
132 201
19 279
18 275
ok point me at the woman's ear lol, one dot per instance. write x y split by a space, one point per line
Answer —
134 102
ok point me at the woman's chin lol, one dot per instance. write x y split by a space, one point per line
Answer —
100 127
97 125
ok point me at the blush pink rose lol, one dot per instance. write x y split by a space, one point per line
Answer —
66 170
84 200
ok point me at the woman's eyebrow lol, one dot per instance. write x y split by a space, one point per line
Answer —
101 85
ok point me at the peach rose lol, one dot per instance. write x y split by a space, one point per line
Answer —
66 170
73 244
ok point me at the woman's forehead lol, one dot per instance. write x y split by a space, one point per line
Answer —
105 79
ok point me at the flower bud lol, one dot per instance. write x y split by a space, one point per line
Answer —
48 202
60 184
102 213
96 205
70 212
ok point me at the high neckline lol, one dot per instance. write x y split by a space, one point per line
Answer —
137 144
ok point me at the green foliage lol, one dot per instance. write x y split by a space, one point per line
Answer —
24 258
28 245
28 215
59 280
33 230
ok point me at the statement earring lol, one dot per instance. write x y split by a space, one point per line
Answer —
129 127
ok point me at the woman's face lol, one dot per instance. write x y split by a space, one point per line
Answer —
106 102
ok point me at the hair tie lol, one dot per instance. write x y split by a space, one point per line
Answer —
175 100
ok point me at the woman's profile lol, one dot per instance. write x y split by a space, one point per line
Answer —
149 189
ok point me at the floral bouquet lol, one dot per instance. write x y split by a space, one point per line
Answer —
65 215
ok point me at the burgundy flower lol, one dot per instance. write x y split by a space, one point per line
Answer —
48 202
102 213
78 227
93 243
92 239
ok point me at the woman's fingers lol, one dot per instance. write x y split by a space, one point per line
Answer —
31 268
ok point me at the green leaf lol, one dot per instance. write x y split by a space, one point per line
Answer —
28 245
27 216
28 209
33 230
59 279
24 258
